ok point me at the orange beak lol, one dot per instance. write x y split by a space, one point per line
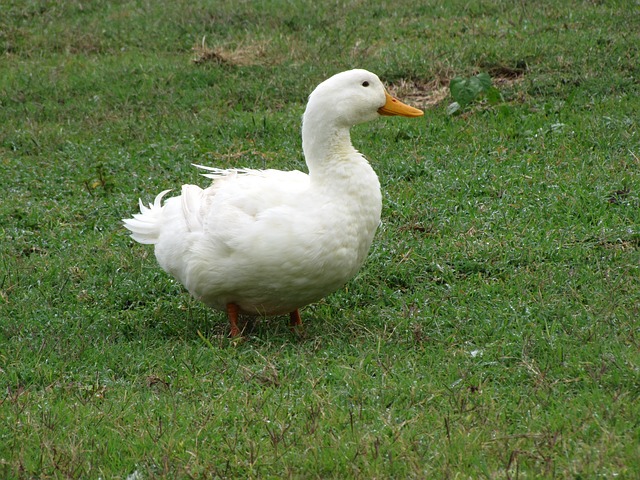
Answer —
393 106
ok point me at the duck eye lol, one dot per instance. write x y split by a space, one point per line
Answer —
365 84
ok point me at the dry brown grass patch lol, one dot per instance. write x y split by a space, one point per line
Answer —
256 53
430 94
424 94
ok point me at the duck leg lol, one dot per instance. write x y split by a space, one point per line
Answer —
232 313
294 319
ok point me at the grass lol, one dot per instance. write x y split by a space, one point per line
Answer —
493 333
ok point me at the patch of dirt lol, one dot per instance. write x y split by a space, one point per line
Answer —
432 93
425 94
241 56
500 71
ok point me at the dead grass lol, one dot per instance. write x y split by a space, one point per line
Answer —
432 93
257 53
427 94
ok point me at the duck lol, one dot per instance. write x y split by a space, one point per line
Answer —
269 242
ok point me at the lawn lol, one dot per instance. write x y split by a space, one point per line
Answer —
493 331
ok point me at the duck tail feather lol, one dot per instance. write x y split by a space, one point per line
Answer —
145 226
191 199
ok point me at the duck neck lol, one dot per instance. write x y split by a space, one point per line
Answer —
328 151
337 169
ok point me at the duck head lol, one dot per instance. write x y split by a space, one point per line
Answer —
353 97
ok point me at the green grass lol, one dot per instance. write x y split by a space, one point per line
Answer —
494 331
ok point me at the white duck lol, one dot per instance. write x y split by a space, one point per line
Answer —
267 242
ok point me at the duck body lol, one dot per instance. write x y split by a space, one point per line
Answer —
268 250
268 242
